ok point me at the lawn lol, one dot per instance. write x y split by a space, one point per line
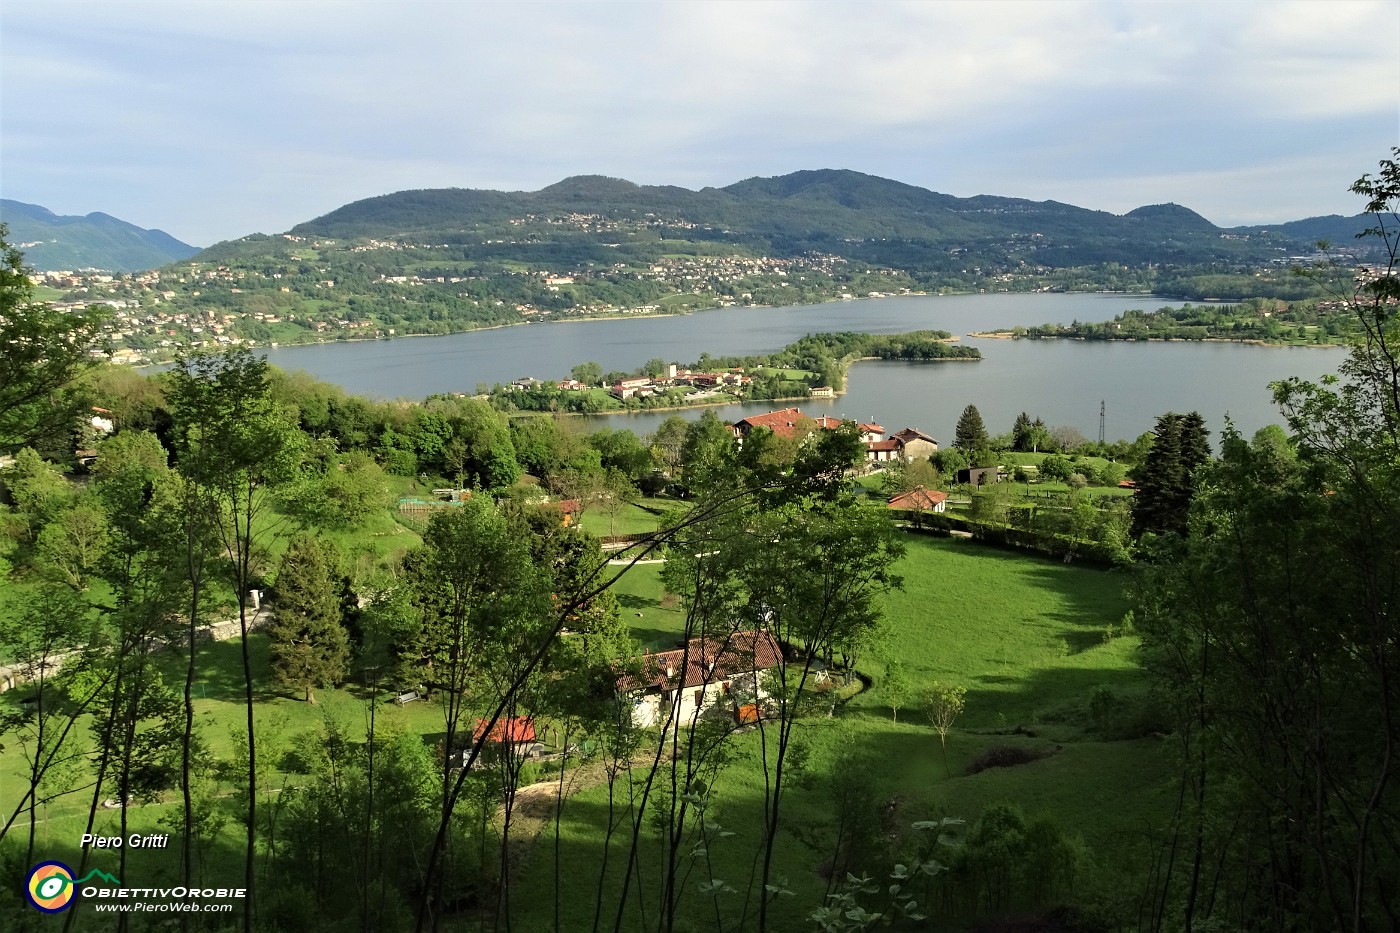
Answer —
1028 637
637 517
284 724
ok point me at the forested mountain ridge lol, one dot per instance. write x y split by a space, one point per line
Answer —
97 241
843 212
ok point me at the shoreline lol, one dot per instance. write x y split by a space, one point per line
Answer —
1246 341
581 319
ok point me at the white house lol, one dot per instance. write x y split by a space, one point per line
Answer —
678 686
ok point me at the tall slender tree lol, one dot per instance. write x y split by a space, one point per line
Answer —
235 445
1166 479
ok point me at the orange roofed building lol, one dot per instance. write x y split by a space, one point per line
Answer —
782 423
513 729
920 499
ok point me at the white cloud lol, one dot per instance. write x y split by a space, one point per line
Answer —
215 118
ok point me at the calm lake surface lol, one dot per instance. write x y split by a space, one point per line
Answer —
1060 381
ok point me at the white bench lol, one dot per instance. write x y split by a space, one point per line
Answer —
406 698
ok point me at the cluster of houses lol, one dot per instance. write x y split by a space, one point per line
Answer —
643 386
906 444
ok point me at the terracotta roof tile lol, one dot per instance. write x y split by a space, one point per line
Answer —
918 498
706 661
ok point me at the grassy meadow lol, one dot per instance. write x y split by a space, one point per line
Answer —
1027 637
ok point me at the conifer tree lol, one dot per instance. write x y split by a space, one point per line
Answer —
1164 484
310 647
971 433
1021 433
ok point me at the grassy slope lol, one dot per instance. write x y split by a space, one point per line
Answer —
1026 636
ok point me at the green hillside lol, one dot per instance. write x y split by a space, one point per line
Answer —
97 241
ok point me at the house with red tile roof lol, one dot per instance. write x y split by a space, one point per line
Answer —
682 684
907 444
915 444
783 423
921 500
870 431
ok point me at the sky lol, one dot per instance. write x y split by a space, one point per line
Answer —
212 119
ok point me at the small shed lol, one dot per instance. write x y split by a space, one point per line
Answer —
512 729
979 476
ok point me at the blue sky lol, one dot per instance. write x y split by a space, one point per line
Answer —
213 119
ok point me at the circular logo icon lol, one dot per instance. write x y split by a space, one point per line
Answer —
50 887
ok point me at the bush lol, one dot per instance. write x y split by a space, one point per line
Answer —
1003 756
1056 467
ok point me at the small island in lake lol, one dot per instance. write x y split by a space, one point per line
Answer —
813 367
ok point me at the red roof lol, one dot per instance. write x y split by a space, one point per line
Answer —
706 661
888 444
510 729
867 427
918 498
781 422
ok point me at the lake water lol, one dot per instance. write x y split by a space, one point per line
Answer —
1060 381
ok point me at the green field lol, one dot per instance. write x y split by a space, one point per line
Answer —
637 517
1026 636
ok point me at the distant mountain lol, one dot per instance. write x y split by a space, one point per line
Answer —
861 217
1339 231
1174 215
97 241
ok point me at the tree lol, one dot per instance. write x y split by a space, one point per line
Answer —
943 704
73 542
668 442
970 433
1270 630
588 373
309 644
895 686
235 447
1165 480
1067 438
1056 467
44 352
907 475
1021 433
1029 436
615 494
52 626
